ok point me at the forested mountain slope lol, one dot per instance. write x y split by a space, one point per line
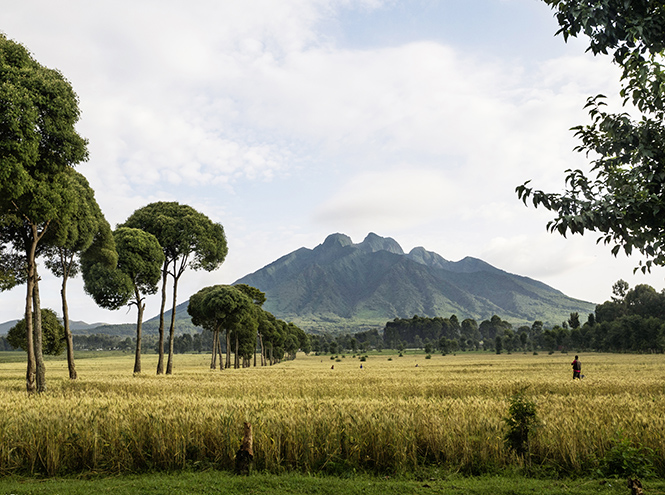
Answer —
340 285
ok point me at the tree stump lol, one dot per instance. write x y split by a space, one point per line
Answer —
245 455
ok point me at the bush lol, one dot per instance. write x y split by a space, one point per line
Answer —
521 421
624 459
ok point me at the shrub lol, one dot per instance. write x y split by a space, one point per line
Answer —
624 459
521 421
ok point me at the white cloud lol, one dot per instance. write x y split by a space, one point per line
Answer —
284 134
389 200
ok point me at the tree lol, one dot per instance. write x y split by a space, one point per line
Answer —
253 325
498 344
38 143
217 308
619 290
622 196
137 274
189 239
53 334
574 320
73 234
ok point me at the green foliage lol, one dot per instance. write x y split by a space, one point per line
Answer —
625 459
188 238
38 138
12 269
521 421
53 341
622 197
219 307
76 230
138 270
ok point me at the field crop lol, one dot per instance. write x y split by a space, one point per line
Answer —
389 416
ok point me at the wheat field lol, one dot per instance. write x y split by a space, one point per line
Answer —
395 414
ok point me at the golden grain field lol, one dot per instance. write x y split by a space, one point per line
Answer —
389 416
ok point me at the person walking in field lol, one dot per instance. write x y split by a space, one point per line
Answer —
577 368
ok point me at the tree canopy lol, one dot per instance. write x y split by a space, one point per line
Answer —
622 196
54 334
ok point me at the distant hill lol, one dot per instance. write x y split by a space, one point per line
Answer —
76 326
340 285
4 327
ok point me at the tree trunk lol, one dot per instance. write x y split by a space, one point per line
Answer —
219 351
38 339
160 346
139 321
263 351
30 375
228 349
236 359
68 333
213 360
169 364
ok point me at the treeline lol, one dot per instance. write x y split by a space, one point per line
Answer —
450 335
632 321
358 342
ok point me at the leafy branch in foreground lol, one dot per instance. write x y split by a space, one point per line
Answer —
623 196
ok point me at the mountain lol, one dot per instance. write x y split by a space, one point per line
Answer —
340 285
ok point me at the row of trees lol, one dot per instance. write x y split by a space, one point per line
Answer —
158 241
414 332
235 312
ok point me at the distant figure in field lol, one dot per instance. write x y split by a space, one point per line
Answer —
577 368
361 366
332 367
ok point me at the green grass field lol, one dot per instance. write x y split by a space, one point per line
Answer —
397 416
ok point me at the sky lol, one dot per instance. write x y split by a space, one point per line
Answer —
290 120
